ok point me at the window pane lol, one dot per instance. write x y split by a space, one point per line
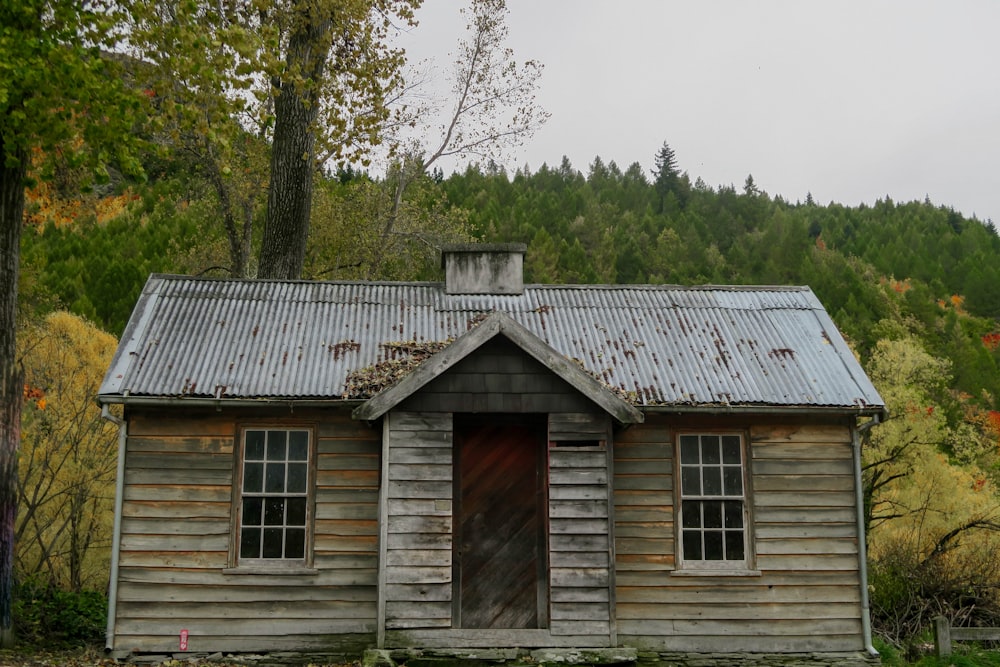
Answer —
250 543
252 511
297 477
732 480
690 481
253 477
691 514
712 511
734 515
298 446
731 449
295 543
713 545
255 445
275 481
296 512
689 449
273 542
274 512
713 525
734 545
274 506
276 445
692 545
710 450
713 481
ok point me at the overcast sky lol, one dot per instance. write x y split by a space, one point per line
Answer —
849 100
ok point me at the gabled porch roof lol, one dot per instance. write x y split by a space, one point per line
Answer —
497 324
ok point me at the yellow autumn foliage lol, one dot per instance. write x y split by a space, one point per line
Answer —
933 511
44 205
68 456
921 494
940 497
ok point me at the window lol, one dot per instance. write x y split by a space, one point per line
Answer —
713 502
274 506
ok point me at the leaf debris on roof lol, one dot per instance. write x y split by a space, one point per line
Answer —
402 358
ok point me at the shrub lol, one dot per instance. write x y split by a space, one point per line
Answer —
909 588
48 616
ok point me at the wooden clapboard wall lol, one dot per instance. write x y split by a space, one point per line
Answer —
579 525
176 535
579 543
417 576
807 594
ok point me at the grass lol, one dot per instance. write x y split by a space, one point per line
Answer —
964 655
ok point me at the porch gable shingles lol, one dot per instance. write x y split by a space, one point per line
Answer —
495 324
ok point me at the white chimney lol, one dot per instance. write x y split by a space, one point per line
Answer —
484 268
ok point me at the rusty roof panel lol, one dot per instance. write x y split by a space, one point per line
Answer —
665 345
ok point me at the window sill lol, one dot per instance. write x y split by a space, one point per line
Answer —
707 572
300 571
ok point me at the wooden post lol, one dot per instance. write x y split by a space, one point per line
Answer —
942 636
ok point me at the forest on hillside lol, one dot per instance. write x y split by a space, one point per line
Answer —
914 286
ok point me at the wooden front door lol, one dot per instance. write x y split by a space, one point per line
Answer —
499 560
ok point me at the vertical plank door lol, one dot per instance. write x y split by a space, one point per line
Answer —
499 560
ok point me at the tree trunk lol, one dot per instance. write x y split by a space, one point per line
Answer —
289 198
11 380
239 239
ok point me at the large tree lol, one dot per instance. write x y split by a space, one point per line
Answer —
666 174
203 65
60 100
339 73
491 111
310 80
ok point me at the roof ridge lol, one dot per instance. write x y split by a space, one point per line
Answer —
435 283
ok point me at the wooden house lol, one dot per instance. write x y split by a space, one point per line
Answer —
335 466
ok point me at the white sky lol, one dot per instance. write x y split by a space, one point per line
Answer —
851 100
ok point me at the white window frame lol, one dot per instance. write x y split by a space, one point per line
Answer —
722 494
280 466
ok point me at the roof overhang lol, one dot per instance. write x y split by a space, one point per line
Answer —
496 324
790 410
207 401
297 402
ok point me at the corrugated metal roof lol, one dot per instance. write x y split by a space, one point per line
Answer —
664 345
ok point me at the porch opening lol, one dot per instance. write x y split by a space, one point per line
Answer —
499 558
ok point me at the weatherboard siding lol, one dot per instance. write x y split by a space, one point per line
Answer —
418 551
580 574
806 596
175 542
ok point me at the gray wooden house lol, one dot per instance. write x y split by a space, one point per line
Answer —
484 463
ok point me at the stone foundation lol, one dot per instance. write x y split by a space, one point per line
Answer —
519 657
606 657
665 659
469 657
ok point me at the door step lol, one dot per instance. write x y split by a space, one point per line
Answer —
471 657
